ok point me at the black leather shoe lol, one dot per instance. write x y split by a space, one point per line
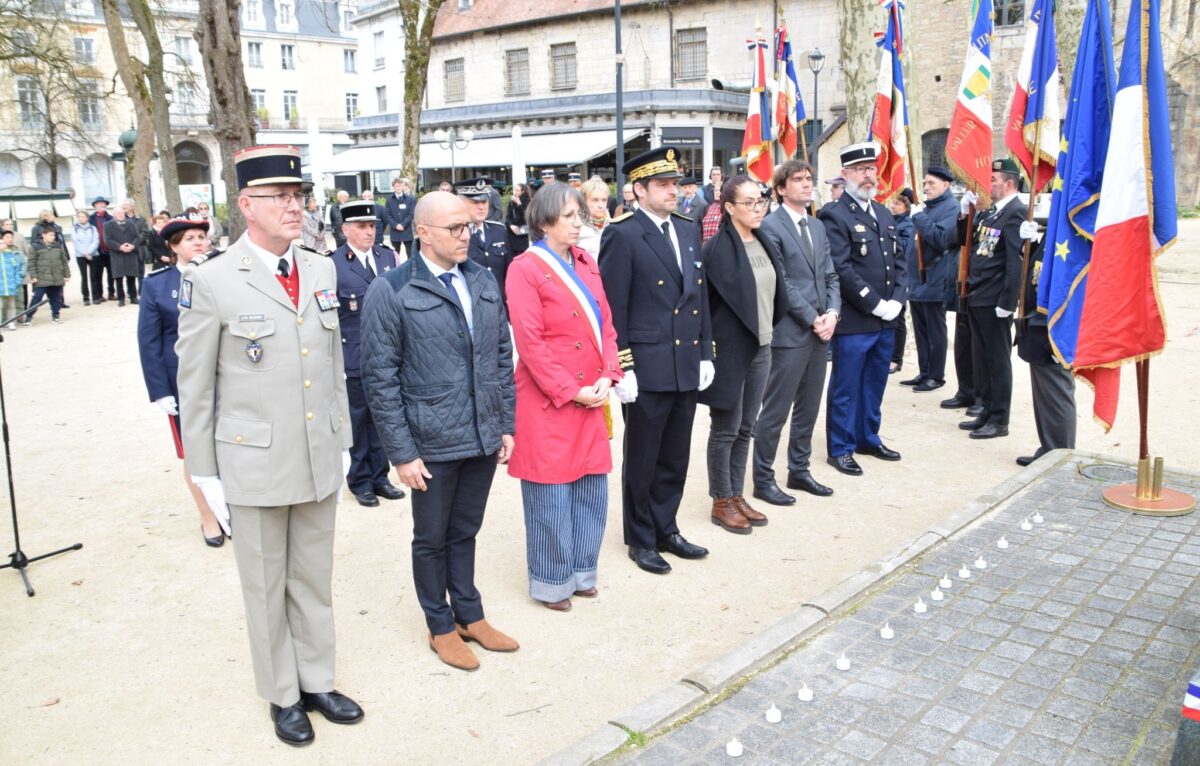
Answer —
975 410
914 381
335 706
882 452
774 495
1025 460
389 492
846 464
927 385
803 480
956 402
292 724
989 431
648 560
972 425
680 547
367 498
213 542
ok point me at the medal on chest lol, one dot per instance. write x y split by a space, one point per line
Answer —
254 351
353 303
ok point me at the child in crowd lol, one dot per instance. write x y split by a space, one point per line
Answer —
12 276
49 270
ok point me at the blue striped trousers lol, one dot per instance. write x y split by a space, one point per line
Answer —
564 524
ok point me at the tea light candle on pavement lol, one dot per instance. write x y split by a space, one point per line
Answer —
945 583
937 594
886 632
964 573
733 748
920 607
773 715
1025 525
805 694
843 662
1002 543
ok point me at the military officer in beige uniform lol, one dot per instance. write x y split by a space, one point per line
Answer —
266 426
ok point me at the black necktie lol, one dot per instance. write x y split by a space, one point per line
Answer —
806 235
367 266
666 230
447 279
283 269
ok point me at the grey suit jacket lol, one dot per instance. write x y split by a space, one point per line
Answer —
262 391
812 281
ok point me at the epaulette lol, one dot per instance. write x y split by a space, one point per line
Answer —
622 217
199 259
687 218
494 223
160 270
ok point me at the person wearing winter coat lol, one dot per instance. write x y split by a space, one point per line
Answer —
123 238
12 278
87 247
49 271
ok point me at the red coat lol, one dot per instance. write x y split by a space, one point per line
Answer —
558 441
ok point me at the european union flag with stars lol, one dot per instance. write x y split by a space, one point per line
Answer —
1076 188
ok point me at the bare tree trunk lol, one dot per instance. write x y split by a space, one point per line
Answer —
1068 26
158 91
219 38
858 20
418 34
133 77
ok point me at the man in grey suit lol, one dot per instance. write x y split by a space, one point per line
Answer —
266 424
799 343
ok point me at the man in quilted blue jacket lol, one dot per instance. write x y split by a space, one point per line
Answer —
437 365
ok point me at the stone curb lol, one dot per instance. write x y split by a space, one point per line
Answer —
704 684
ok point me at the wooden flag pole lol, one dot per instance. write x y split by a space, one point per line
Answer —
912 174
1033 192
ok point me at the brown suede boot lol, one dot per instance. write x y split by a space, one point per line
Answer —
451 650
755 518
488 637
727 517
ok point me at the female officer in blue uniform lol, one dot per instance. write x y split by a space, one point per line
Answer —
158 329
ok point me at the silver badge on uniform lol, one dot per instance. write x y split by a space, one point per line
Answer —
353 303
863 250
254 351
174 293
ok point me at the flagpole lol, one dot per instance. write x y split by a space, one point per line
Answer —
1037 161
804 145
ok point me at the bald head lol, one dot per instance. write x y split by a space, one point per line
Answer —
436 206
441 222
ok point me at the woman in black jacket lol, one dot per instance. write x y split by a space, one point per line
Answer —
514 218
746 297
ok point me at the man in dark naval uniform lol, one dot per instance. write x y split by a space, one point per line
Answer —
488 246
357 263
1053 385
654 280
873 276
993 284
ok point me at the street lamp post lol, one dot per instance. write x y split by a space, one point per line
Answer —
816 62
450 139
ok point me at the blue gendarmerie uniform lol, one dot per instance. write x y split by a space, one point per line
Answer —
871 268
158 329
368 460
490 250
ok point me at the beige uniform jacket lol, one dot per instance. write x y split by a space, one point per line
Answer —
262 392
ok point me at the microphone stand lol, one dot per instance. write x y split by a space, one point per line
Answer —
17 559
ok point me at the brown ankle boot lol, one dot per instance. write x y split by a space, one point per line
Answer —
488 637
755 518
727 517
451 650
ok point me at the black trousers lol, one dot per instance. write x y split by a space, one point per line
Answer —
991 351
446 518
929 330
901 336
102 272
86 277
126 284
368 461
1053 406
658 438
964 365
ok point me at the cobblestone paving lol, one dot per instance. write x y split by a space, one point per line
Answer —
1073 646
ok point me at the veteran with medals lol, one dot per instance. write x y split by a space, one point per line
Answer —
655 283
266 426
873 278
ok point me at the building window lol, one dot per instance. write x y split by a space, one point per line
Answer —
252 7
691 54
85 50
285 14
381 99
254 55
287 56
380 55
455 82
29 101
258 102
351 106
185 97
21 43
933 146
183 49
1010 13
347 16
350 60
516 72
90 112
562 66
290 112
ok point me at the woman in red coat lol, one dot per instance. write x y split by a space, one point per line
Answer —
566 362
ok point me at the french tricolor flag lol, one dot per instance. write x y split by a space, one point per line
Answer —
1122 319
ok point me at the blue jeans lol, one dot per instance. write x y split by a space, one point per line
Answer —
53 292
564 526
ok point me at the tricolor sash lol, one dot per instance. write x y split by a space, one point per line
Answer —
571 282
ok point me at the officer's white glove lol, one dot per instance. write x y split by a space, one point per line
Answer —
707 373
626 388
1003 313
1030 231
167 405
893 310
345 462
214 495
968 198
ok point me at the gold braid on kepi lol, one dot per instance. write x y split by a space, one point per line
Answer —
656 163
625 359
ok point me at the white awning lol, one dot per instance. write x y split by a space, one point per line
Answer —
359 160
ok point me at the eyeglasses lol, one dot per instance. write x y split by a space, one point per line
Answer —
456 230
754 204
284 199
576 217
864 169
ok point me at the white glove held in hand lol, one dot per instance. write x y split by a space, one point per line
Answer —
894 309
968 198
1003 313
626 388
345 472
881 309
214 495
167 405
707 373
1030 231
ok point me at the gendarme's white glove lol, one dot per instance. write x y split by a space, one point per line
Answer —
167 405
894 309
1003 313
345 472
707 373
1030 231
626 388
214 495
881 309
968 198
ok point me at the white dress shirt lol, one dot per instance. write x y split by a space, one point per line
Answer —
460 286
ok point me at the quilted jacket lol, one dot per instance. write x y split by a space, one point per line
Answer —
436 390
